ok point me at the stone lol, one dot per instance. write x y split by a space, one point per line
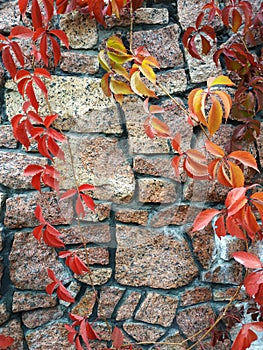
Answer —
225 294
201 239
90 234
1 270
173 341
73 287
36 318
80 29
109 298
174 81
24 301
4 312
96 255
157 309
141 16
228 245
157 259
7 139
2 200
138 141
156 191
174 215
29 262
201 70
20 210
228 273
95 164
226 344
12 166
163 44
99 276
2 82
195 295
85 306
50 336
157 166
142 332
77 97
10 16
13 329
194 319
74 62
128 306
132 216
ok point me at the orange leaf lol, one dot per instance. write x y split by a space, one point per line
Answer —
235 200
223 177
245 158
160 128
236 175
214 149
203 219
195 100
227 102
214 116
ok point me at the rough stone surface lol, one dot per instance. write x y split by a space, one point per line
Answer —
105 120
132 216
96 255
51 336
174 81
29 262
200 239
77 96
94 164
174 338
147 258
194 319
227 293
228 245
157 309
14 330
36 318
100 213
12 167
2 200
10 16
4 313
6 135
200 71
80 29
174 215
141 16
24 301
99 276
230 273
85 306
127 308
20 210
157 166
195 295
163 44
138 141
74 62
90 233
142 332
109 297
156 191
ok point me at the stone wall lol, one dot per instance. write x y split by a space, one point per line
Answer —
156 279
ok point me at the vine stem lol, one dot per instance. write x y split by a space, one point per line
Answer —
84 243
131 26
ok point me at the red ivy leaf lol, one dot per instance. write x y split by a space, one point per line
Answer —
248 260
117 338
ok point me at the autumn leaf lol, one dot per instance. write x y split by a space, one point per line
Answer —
203 219
248 260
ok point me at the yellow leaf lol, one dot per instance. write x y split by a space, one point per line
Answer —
119 87
151 61
119 98
220 80
148 72
195 104
214 116
102 61
121 71
236 174
139 87
119 58
116 44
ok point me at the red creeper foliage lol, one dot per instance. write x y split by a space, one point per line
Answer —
61 291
